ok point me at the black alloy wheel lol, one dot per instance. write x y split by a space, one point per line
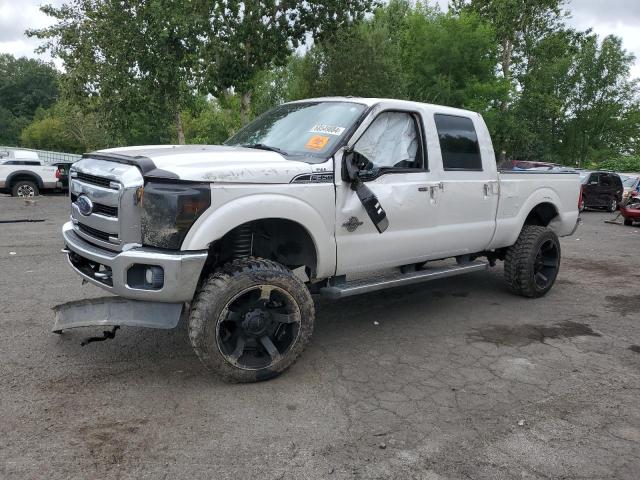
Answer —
257 327
545 268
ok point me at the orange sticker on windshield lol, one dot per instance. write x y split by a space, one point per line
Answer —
317 142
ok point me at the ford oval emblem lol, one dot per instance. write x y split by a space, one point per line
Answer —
85 205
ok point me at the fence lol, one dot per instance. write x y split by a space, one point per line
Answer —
46 156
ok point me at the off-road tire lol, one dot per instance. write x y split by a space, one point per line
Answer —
520 260
20 184
222 286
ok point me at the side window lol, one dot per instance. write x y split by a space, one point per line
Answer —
458 143
391 141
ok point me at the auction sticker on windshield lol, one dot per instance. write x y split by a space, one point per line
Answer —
317 142
327 129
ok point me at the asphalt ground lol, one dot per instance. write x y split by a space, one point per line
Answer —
453 379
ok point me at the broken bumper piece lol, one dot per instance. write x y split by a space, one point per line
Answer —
116 311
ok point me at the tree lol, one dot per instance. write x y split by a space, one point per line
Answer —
138 59
450 60
603 104
25 86
66 128
245 38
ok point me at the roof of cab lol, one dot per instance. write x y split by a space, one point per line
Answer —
369 102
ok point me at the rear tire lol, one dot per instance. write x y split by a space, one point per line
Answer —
628 222
24 188
612 206
250 320
531 265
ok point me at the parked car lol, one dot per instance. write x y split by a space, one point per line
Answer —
630 213
631 185
314 196
22 174
601 190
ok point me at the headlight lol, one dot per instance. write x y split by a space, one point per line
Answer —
169 211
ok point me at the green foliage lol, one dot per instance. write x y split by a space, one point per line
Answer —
65 128
155 71
244 38
25 86
630 164
212 122
451 60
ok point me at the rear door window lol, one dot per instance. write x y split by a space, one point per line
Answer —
458 143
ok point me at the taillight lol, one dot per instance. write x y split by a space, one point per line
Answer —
580 197
634 193
58 175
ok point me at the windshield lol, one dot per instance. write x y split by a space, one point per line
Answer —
308 129
584 176
630 182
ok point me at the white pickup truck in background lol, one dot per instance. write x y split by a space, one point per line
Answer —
22 174
310 194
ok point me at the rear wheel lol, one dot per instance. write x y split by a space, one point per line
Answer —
24 188
251 320
531 265
628 222
612 206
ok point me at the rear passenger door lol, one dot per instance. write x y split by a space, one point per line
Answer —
470 191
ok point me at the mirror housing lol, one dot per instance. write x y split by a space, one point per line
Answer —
351 172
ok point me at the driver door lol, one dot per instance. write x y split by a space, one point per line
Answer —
393 149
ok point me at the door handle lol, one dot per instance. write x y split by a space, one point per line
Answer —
486 189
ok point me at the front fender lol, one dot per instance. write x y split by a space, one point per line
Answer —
216 223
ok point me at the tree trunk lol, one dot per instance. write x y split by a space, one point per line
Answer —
507 53
179 128
245 107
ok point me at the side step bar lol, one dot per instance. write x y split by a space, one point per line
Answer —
356 287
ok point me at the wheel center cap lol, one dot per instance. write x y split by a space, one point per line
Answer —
254 321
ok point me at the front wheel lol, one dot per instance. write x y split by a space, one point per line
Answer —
628 222
250 320
531 265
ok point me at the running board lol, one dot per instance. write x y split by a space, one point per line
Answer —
366 285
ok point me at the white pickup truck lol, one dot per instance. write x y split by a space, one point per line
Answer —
236 238
22 174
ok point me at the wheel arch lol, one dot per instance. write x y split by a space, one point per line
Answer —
304 224
27 175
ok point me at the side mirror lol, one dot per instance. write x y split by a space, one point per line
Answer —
352 166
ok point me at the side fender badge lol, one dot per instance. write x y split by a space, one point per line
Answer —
352 224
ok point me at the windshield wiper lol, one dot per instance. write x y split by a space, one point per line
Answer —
262 146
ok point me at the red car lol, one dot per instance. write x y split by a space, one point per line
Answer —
631 213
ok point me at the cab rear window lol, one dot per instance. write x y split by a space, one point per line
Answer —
458 143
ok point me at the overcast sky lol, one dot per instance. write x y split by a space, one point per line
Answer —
620 17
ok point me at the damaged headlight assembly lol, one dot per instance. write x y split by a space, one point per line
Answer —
169 210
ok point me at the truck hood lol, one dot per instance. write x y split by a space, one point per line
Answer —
212 163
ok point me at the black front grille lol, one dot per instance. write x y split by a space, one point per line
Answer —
100 208
95 232
105 210
93 180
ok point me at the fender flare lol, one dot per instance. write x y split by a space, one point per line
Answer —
508 229
27 173
220 221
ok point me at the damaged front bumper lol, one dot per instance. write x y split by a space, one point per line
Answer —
174 275
116 311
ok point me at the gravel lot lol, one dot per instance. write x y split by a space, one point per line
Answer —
459 379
